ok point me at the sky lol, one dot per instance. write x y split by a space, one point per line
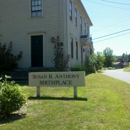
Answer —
111 24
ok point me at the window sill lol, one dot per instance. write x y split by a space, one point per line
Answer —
40 17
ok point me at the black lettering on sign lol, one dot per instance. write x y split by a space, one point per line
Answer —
50 76
39 76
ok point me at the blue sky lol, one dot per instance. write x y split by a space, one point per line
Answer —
108 17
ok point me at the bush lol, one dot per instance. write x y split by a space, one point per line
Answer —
78 68
11 97
59 62
8 61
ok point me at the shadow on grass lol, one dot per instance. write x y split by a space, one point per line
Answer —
11 118
57 98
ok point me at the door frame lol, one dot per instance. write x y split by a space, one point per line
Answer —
37 34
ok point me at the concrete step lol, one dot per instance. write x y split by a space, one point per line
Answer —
22 74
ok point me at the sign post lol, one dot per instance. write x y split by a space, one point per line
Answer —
75 92
38 91
52 79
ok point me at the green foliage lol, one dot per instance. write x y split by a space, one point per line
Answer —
127 69
100 60
92 64
95 62
108 54
78 68
59 61
11 97
124 57
8 61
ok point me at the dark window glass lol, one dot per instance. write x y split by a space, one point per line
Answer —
76 50
71 41
81 25
70 9
75 17
85 29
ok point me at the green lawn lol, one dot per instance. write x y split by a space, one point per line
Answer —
102 105
127 69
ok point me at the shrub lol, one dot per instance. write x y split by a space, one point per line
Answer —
90 65
59 62
8 61
11 97
78 68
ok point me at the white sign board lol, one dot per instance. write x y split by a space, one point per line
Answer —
76 78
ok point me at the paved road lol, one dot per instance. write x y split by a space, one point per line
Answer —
118 74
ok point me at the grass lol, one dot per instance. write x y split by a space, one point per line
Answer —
102 105
127 69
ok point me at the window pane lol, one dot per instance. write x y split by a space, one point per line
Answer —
33 8
39 2
33 14
77 50
39 13
71 39
33 3
70 8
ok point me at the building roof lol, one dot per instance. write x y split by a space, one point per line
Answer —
89 20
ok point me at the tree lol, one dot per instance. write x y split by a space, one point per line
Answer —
59 62
100 59
124 57
95 62
129 58
108 54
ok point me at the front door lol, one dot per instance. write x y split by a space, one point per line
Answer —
37 51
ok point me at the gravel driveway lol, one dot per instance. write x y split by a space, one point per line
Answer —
118 74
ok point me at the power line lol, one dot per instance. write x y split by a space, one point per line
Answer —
112 34
115 2
111 37
106 5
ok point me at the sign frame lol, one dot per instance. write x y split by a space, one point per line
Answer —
57 79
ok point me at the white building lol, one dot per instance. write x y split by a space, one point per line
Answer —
30 25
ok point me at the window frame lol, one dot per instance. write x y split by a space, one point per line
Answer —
36 8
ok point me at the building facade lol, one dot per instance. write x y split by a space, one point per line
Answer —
30 25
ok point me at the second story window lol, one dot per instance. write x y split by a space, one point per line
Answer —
36 8
85 29
70 10
81 25
75 17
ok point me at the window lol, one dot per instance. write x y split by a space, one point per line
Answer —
75 17
36 8
85 29
70 6
71 41
81 25
76 50
0 38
